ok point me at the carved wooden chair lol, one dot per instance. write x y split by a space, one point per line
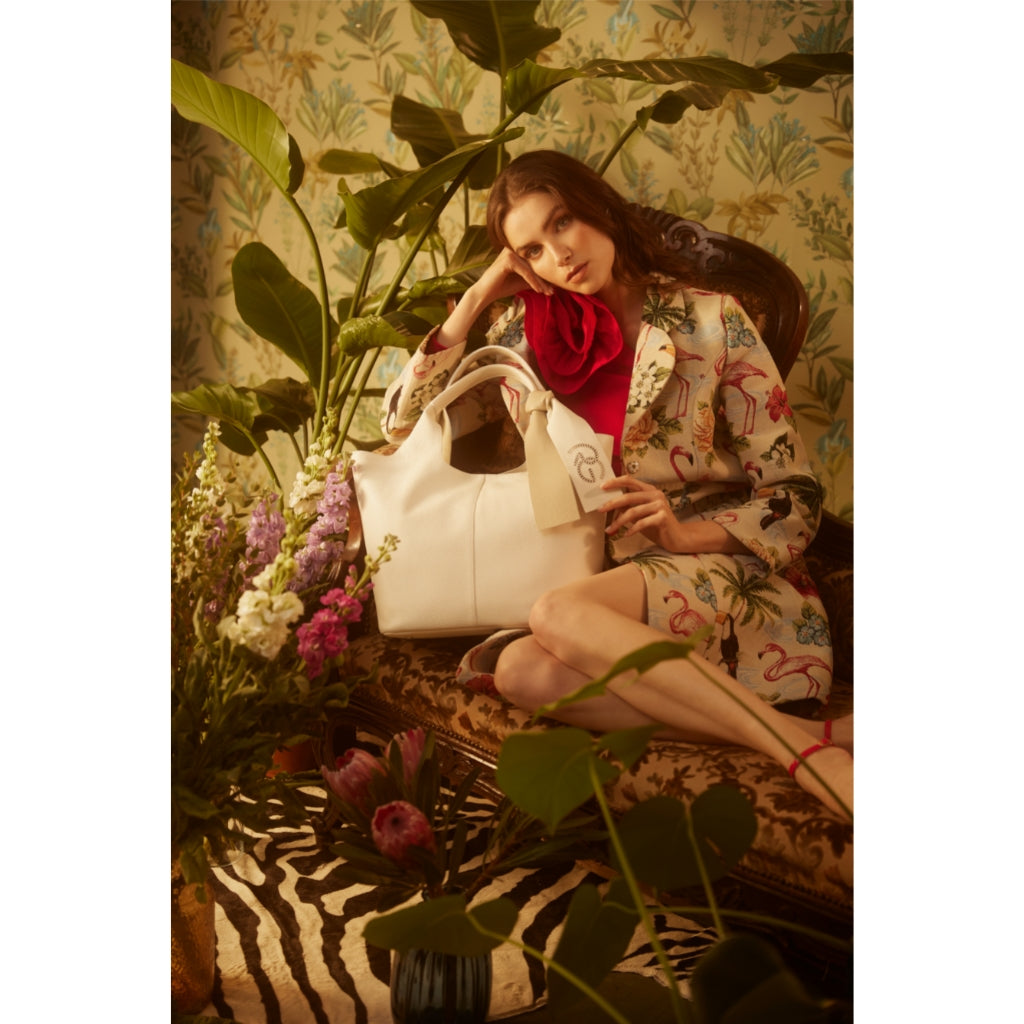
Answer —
765 287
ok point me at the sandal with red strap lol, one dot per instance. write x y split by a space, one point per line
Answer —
813 748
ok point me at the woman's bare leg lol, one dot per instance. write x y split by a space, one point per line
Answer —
589 625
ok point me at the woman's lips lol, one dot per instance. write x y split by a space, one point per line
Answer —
575 272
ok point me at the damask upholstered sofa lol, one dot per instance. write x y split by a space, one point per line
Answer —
801 863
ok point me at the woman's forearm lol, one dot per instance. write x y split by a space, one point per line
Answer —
701 536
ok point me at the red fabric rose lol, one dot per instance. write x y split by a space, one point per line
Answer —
572 335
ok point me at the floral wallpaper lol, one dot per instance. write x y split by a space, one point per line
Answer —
776 169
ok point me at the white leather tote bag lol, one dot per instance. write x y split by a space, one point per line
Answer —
475 550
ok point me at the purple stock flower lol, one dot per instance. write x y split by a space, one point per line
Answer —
327 537
263 537
399 826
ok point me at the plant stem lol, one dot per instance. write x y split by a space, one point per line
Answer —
705 881
552 965
354 402
263 455
634 891
616 146
325 314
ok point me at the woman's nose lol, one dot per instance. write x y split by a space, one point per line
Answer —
564 255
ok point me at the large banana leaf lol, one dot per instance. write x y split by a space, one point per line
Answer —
434 132
494 34
528 85
240 117
235 408
372 211
247 414
279 307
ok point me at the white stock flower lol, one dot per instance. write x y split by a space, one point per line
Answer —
262 621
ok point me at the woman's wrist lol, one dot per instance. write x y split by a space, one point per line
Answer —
703 537
455 329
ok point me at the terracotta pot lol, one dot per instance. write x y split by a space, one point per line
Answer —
193 944
293 759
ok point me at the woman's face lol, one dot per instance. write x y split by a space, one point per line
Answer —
565 251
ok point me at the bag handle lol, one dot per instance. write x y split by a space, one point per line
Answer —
553 491
494 355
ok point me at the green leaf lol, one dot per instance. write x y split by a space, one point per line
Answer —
628 745
443 925
495 35
743 980
285 403
711 78
670 106
800 70
473 253
547 773
594 939
638 661
655 836
372 211
238 116
191 804
434 132
279 307
221 401
367 332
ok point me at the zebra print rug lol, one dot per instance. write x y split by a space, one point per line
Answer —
290 947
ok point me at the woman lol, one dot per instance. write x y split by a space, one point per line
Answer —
715 501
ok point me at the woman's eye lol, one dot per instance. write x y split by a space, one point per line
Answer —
564 221
532 252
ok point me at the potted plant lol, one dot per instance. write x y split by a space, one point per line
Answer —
397 825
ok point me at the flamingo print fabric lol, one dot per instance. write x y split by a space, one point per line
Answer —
708 420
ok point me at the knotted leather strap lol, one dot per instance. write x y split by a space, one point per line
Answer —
551 490
566 461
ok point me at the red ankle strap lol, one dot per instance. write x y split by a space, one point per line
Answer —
813 748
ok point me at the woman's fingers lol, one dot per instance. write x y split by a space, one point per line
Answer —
641 507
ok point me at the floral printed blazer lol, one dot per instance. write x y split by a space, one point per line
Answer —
707 420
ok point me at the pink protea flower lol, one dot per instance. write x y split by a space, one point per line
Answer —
411 745
397 827
352 775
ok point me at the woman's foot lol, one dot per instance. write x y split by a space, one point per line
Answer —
827 773
842 732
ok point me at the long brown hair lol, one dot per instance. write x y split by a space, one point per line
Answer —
639 252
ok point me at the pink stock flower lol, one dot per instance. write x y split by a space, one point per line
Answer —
411 745
324 636
349 608
352 775
399 826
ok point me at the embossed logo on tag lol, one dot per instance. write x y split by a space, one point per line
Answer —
586 460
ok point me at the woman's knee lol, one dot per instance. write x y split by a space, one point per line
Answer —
519 674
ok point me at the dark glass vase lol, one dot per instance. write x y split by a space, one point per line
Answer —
440 988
